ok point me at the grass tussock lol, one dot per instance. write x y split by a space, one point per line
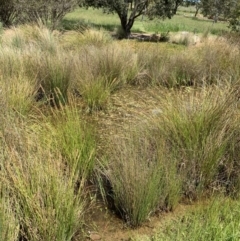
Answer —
9 229
141 179
11 89
198 126
44 195
73 139
44 168
209 63
102 71
90 37
25 36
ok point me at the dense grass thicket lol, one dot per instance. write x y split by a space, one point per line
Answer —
53 85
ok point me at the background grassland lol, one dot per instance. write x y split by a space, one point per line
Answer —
64 140
183 21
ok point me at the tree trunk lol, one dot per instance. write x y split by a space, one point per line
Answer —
196 13
126 25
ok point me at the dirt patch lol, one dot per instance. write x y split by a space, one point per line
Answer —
105 225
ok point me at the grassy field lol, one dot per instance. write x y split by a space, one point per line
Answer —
183 21
90 124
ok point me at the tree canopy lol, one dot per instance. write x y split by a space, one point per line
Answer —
129 10
50 12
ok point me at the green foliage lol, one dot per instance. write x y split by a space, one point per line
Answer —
8 12
97 19
49 13
160 9
214 220
234 17
214 8
42 189
73 139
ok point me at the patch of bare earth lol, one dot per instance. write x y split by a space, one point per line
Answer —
105 225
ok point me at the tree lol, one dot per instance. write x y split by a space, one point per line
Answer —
151 8
215 8
228 9
177 3
8 12
234 16
198 6
49 12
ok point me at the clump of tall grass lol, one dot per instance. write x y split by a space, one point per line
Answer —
206 64
17 92
142 180
52 74
182 70
170 68
102 71
78 39
73 139
42 37
198 125
218 62
48 68
152 66
25 36
95 93
44 195
45 184
185 38
10 62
